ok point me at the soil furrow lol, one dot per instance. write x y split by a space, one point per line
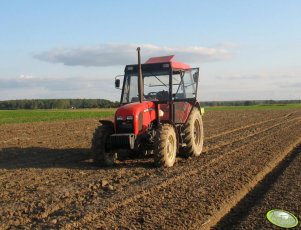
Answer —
236 137
269 193
48 182
163 185
173 177
247 126
192 200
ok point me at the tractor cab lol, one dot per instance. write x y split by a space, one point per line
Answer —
158 114
172 85
158 75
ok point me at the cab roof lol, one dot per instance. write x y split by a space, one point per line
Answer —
163 59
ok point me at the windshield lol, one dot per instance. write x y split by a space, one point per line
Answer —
185 84
156 86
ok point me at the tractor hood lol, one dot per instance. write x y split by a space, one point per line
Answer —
133 109
134 117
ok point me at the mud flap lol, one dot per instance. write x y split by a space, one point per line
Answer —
202 110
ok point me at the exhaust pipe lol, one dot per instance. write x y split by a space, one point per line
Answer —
140 79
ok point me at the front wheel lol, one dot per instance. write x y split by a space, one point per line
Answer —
100 146
165 146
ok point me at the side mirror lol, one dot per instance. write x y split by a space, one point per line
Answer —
117 83
196 77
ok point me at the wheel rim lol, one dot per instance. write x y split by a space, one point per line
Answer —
170 147
197 132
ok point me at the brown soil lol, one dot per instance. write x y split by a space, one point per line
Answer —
280 189
48 181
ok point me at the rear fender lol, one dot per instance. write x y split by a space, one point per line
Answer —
194 105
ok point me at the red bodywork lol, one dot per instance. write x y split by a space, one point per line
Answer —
144 113
147 108
147 112
182 110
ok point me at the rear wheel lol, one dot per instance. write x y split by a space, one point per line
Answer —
100 148
165 146
193 134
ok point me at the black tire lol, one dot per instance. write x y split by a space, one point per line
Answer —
193 134
101 153
165 146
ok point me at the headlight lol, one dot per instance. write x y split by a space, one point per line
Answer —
161 113
129 118
119 118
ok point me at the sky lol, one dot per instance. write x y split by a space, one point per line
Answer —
246 50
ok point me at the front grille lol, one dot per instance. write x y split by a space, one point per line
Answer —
124 127
122 141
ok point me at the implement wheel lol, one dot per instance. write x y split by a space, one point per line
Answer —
165 146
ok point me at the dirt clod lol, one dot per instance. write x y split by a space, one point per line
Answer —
54 221
104 183
110 187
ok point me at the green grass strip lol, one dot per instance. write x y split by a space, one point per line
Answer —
255 107
28 116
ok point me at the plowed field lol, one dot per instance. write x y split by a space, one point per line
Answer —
280 189
48 181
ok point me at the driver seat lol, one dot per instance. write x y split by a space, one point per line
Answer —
163 95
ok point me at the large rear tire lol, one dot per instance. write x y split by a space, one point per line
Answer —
165 146
193 134
100 149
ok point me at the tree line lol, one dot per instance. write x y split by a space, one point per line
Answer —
103 103
249 102
57 104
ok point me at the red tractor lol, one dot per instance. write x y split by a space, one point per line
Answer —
159 114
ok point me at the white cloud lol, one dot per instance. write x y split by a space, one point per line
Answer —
253 86
121 54
222 87
77 87
25 77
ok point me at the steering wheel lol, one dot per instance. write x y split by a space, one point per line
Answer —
151 95
163 95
